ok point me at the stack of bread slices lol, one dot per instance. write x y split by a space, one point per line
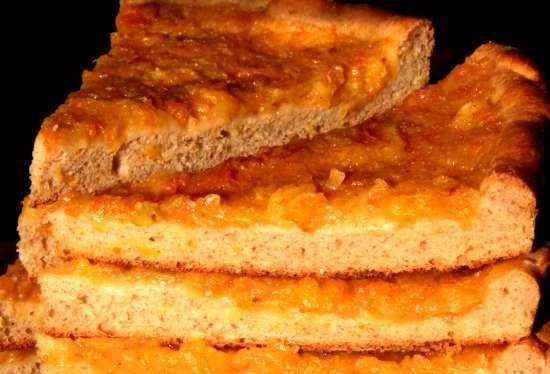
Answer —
267 187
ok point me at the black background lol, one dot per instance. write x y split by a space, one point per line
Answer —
47 44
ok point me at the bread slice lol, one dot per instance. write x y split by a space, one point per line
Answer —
189 84
107 356
445 180
19 362
410 311
19 307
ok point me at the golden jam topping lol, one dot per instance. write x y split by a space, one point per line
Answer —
405 297
424 159
15 285
189 66
144 356
14 357
443 137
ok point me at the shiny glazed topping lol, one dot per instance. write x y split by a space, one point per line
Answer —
189 66
444 135
423 160
376 206
14 357
136 357
405 297
15 285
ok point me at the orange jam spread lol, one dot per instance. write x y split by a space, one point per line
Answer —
402 298
145 356
423 160
189 66
15 285
14 357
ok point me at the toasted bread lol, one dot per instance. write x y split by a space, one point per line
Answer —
444 180
189 84
410 311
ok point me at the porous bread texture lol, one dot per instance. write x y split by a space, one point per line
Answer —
28 364
15 331
82 306
502 225
19 314
502 228
521 358
18 319
97 168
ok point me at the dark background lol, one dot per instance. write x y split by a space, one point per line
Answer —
51 42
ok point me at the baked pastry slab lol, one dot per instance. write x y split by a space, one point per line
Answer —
406 312
133 356
189 84
442 181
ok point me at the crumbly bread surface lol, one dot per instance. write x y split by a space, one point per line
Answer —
104 356
19 362
498 170
525 357
83 303
82 150
19 309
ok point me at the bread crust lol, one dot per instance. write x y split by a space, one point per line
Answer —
526 108
356 21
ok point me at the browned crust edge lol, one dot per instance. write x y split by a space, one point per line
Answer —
539 260
251 271
524 105
405 347
22 345
358 20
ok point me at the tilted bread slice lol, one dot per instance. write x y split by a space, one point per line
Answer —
136 356
442 181
409 311
189 84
